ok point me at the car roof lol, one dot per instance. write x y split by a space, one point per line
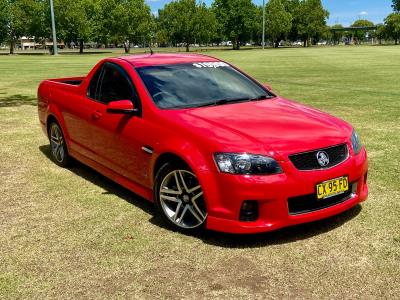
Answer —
144 60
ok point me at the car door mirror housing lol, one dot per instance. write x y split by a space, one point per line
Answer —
121 107
267 86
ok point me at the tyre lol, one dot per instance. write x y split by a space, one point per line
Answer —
59 151
179 198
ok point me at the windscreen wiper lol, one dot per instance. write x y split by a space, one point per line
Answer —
262 97
224 101
229 101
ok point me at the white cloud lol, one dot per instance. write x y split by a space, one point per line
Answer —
363 13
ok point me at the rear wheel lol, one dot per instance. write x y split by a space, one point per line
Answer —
179 198
59 151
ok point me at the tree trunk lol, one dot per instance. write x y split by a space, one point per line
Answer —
127 46
396 41
305 43
237 44
12 45
187 47
276 44
80 46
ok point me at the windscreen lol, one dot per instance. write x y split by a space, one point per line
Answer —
198 84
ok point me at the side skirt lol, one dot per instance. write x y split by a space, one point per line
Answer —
125 182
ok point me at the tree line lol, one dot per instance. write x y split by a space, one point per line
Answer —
178 23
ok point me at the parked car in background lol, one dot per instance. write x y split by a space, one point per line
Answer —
210 145
226 43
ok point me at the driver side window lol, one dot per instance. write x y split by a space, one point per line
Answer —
115 85
111 83
94 84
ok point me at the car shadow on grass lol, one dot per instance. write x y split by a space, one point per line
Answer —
105 183
16 100
282 236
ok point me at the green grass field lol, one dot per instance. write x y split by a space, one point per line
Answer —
73 233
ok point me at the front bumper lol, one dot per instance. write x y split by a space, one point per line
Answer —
225 194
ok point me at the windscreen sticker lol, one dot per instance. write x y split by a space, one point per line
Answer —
215 64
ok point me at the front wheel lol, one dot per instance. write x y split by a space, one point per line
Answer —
179 198
59 151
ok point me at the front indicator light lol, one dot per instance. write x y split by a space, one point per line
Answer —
246 164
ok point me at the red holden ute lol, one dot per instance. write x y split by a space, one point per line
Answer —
211 146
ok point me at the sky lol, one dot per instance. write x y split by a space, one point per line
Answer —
344 12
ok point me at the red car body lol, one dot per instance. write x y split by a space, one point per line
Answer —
113 145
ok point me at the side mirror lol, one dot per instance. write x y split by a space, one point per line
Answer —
121 107
267 86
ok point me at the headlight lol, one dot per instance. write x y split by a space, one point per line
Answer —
242 163
356 142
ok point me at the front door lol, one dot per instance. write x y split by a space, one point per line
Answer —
113 139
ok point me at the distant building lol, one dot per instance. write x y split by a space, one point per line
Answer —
28 43
60 44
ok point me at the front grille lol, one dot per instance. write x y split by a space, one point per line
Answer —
309 203
308 160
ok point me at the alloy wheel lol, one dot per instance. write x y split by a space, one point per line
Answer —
57 143
181 199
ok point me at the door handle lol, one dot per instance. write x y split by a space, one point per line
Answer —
97 115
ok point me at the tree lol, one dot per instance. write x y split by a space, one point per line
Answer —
169 28
205 24
392 23
74 20
360 35
396 5
291 6
279 21
37 15
3 20
310 17
256 33
337 36
123 21
185 21
11 28
18 18
133 23
380 33
236 19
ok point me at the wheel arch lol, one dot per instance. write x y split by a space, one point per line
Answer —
54 112
194 155
194 159
51 118
168 157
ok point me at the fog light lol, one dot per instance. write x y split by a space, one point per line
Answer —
249 211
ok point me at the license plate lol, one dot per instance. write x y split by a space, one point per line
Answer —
332 187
